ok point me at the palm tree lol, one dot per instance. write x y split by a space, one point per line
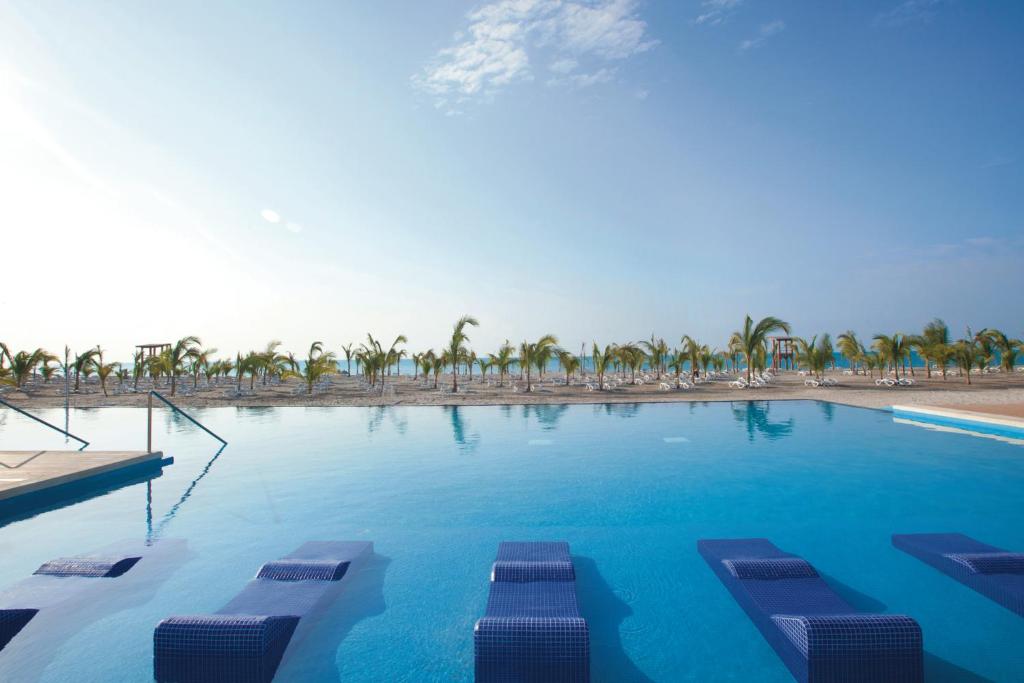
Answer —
347 350
503 360
437 363
83 364
104 370
122 375
967 356
657 351
318 364
529 353
935 345
1008 348
752 337
814 354
485 365
676 363
23 364
184 349
201 363
48 371
138 367
892 349
456 350
569 362
851 348
691 349
470 362
602 360
427 364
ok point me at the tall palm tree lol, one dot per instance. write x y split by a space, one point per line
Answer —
347 350
456 350
530 352
748 340
1008 348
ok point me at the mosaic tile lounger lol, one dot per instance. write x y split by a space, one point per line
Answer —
532 630
993 572
817 634
246 639
60 581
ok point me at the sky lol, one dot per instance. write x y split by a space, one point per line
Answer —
597 169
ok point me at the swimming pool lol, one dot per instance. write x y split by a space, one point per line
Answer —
631 487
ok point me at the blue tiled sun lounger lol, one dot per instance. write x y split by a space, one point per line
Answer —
995 573
532 630
246 639
817 634
56 582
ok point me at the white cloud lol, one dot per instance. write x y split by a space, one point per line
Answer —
293 227
563 65
270 216
714 12
909 12
496 48
641 93
766 31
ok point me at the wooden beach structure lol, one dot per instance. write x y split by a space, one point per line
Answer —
783 353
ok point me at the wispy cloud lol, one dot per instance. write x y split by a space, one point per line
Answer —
772 28
577 39
271 216
714 12
909 12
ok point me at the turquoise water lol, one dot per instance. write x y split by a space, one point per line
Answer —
631 487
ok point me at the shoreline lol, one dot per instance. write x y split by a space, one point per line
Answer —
858 391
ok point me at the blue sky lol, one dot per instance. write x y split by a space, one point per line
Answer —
599 169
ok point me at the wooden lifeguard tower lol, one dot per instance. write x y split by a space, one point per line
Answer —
783 353
149 350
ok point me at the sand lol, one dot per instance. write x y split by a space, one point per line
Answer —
1004 391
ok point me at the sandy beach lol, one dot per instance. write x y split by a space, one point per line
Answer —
999 393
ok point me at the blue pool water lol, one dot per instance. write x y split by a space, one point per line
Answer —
631 487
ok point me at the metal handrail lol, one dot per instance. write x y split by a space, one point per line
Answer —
41 420
149 420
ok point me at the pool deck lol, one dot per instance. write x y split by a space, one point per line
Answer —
1008 417
26 472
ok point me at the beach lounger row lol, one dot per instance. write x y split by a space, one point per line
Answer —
532 629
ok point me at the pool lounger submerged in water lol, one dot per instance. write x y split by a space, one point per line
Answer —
993 572
246 639
817 634
59 581
532 630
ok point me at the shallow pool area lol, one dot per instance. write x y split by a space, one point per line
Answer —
631 487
